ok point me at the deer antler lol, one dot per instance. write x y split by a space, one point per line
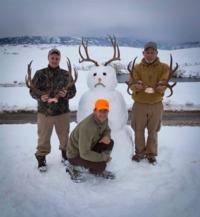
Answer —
116 54
71 80
30 85
171 72
28 79
87 59
131 71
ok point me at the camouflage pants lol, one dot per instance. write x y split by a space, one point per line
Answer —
146 116
45 128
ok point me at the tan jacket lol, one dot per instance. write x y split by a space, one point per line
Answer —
150 75
84 137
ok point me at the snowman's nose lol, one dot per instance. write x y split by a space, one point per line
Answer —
99 79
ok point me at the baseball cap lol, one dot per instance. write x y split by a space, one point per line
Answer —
54 51
102 104
150 44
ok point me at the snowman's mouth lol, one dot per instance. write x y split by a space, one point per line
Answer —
99 84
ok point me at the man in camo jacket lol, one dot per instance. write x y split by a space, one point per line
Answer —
53 108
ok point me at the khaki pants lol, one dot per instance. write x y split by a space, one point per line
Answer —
45 128
146 116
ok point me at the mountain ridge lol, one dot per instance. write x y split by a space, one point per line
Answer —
97 41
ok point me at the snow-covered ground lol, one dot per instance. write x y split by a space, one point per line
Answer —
186 96
169 189
13 66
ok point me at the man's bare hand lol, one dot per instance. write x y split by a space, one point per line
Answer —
44 98
160 88
62 93
109 159
52 100
105 140
139 86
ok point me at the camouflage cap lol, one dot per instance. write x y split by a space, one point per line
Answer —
54 51
150 44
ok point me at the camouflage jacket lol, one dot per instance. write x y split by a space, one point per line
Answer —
57 78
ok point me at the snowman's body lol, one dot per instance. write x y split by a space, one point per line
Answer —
118 113
102 84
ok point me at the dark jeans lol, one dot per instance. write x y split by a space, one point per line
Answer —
94 167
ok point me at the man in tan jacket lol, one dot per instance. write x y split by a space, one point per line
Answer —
90 144
147 79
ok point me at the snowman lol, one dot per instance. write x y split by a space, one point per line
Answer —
102 83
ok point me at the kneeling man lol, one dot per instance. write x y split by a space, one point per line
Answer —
90 144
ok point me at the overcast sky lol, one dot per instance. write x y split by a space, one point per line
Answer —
169 20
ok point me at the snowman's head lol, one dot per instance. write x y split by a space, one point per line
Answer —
101 75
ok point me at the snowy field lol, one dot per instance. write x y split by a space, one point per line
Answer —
169 189
14 59
186 96
13 66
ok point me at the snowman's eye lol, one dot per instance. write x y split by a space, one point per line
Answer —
104 73
95 74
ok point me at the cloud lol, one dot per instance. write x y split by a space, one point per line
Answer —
150 19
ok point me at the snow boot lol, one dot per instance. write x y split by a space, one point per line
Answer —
42 167
152 160
137 158
64 158
75 174
106 174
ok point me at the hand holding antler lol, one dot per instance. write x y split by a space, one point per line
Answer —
71 82
44 98
160 86
63 92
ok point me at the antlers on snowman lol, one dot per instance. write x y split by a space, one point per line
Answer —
84 44
149 89
31 86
